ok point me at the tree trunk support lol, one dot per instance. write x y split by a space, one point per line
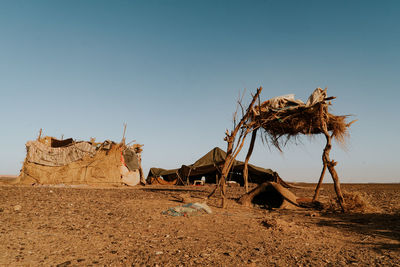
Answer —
330 164
246 162
233 150
321 178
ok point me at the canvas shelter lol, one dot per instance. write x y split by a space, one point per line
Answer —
52 161
209 166
158 176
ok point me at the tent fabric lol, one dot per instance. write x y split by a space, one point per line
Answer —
61 143
40 153
215 158
128 177
155 172
101 169
271 194
209 165
161 181
131 159
76 163
168 176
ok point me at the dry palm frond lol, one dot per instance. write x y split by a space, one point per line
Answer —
288 119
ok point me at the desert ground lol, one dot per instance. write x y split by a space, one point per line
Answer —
86 226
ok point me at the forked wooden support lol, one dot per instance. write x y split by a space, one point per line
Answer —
233 149
330 164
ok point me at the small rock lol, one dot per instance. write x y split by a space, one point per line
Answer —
159 252
17 207
64 264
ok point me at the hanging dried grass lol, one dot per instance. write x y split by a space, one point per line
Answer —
285 119
354 202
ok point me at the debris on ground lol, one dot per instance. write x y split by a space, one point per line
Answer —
17 207
190 209
354 202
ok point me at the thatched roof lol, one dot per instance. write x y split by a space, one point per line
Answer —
288 117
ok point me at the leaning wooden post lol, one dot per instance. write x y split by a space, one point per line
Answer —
246 162
142 180
40 134
330 164
232 151
321 178
123 135
331 167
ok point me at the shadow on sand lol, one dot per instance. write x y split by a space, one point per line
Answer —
174 189
370 225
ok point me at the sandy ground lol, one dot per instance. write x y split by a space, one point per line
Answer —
78 226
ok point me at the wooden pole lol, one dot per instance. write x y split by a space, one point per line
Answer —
40 134
232 152
123 135
321 177
330 164
142 180
246 162
331 167
187 177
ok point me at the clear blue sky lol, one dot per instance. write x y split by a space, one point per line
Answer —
173 70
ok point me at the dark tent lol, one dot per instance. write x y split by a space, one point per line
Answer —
209 166
168 176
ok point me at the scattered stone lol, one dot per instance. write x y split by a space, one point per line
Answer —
159 252
64 264
17 207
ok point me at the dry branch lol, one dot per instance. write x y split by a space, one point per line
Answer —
243 128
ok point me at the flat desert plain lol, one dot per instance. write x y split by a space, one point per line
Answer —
84 226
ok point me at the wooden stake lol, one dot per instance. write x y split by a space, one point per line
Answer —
232 150
246 162
40 134
123 135
321 177
331 167
330 164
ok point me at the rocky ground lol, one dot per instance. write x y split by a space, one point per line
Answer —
81 226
